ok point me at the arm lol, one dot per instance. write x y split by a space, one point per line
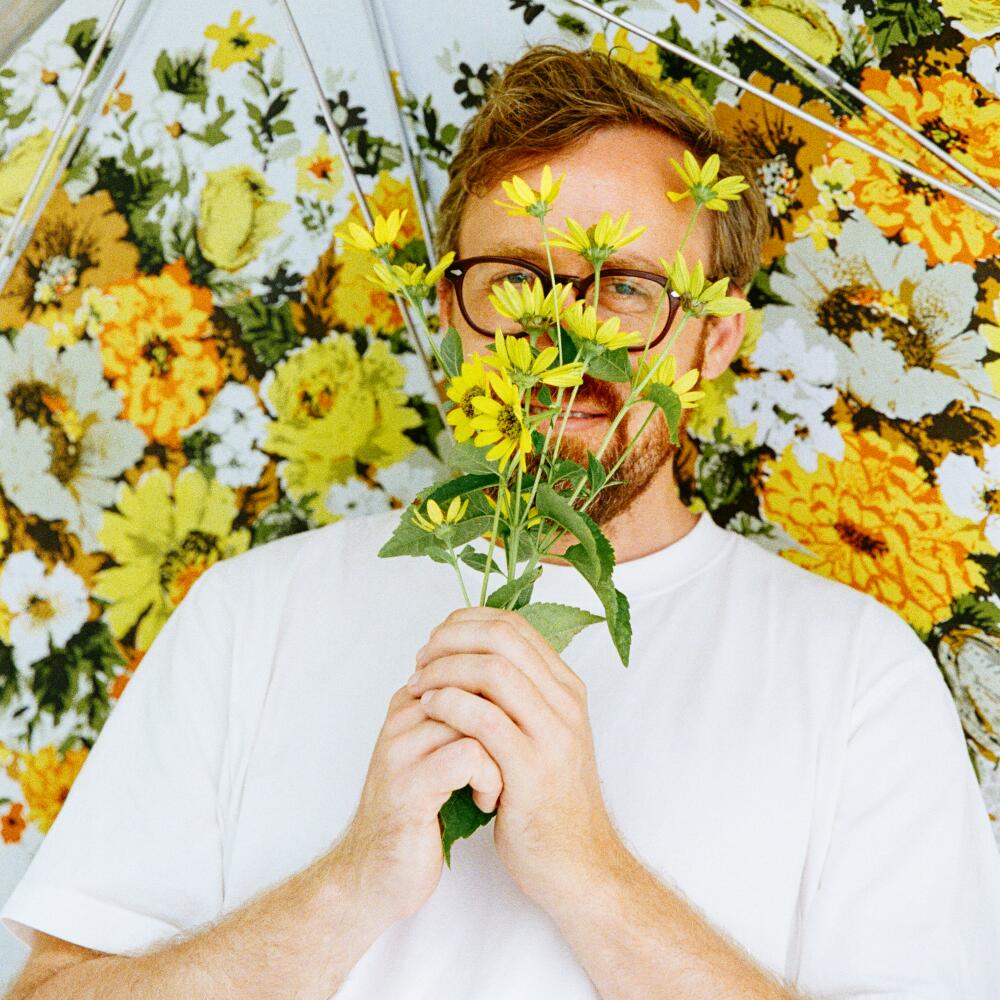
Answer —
636 937
299 939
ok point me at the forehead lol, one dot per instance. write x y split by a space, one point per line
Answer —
616 170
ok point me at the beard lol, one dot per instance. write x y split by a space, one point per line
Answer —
645 460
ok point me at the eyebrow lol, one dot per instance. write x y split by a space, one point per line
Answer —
535 256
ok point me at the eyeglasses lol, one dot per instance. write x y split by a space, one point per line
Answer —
633 296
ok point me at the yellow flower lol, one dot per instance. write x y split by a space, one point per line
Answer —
166 534
666 374
320 172
872 521
818 225
436 517
975 18
471 382
236 218
236 42
409 279
701 184
513 356
598 242
529 305
833 183
500 422
380 238
45 779
19 166
801 22
698 297
529 202
581 321
333 409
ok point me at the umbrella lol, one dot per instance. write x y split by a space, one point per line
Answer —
206 153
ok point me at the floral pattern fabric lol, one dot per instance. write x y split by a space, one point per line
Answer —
192 365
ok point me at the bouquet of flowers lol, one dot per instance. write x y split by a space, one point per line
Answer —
515 487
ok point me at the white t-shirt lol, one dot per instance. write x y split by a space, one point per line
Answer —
783 750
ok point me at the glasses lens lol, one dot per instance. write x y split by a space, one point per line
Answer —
477 287
636 301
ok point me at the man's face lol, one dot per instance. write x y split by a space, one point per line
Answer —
615 170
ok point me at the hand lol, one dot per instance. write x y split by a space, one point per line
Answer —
392 847
492 677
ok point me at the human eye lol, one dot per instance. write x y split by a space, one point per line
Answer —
626 293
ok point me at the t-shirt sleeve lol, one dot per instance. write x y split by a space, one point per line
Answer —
907 904
135 856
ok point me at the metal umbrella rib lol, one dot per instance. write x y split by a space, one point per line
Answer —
963 194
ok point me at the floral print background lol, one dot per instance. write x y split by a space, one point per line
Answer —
191 364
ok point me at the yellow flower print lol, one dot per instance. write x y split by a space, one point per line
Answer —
872 521
164 536
235 217
803 23
18 167
45 779
319 173
975 18
237 43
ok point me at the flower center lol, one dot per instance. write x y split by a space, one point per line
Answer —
185 563
41 609
321 167
315 401
779 183
860 541
239 42
508 423
851 308
944 135
991 501
175 130
159 353
49 77
467 408
57 277
46 406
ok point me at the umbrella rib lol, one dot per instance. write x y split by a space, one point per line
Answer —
831 79
362 201
17 236
387 51
963 194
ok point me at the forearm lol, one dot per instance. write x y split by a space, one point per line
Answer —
636 937
299 941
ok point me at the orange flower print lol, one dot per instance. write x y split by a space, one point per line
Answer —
45 778
960 117
159 353
873 522
12 824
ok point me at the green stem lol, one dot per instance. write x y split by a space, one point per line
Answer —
501 483
461 581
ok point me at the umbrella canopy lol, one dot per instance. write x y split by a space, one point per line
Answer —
192 365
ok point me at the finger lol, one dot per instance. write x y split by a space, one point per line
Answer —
499 637
481 719
496 679
464 762
423 739
560 670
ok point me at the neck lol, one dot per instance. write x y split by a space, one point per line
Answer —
654 520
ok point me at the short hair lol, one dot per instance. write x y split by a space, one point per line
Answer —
552 98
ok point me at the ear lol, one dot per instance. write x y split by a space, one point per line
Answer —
445 303
725 335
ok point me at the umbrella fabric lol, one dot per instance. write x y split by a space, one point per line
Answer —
190 364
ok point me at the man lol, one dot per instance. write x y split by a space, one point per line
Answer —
773 801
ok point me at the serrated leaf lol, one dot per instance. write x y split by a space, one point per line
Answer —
621 628
557 623
515 593
558 509
466 457
458 818
611 366
442 493
596 473
451 352
408 539
668 401
567 471
478 560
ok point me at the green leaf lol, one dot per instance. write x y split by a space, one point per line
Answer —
611 366
596 473
558 509
668 401
466 457
621 627
270 331
409 539
478 560
515 593
442 493
458 818
557 623
451 352
568 471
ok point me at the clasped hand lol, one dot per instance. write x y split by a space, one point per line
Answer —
491 676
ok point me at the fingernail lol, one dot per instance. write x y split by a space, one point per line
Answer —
425 697
413 682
